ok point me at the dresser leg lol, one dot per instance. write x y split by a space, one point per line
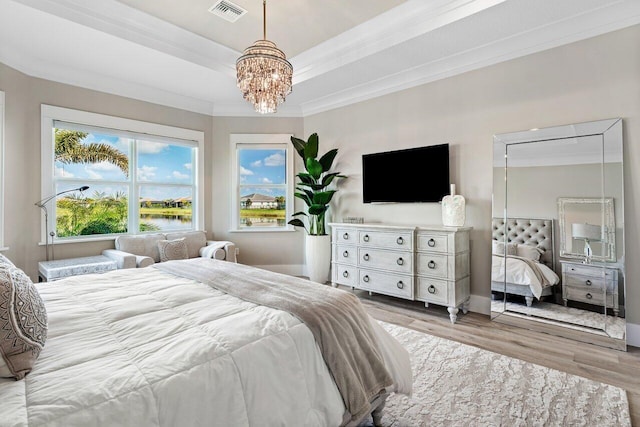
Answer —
453 314
370 293
465 305
565 301
426 305
335 285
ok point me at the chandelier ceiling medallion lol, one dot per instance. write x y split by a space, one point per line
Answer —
263 73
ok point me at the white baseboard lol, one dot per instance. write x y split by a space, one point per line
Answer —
633 334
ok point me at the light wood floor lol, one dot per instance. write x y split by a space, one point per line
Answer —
618 368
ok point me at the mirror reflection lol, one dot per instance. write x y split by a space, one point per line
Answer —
557 230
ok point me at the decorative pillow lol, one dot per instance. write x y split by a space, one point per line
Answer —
5 260
172 249
497 248
528 251
23 322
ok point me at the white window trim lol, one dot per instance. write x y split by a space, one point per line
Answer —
251 138
50 113
2 192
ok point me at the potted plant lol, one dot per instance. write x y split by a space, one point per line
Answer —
312 189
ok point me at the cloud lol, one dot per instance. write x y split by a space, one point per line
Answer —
179 175
92 174
64 173
244 171
188 166
103 166
256 164
146 173
276 159
146 147
266 181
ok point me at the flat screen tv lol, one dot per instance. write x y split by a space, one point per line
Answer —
413 175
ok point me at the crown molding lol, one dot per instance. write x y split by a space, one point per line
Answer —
118 19
244 109
576 28
407 21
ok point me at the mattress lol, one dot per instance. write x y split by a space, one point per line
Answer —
142 347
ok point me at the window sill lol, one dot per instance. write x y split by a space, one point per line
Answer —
79 240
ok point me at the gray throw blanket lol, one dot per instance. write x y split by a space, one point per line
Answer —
336 318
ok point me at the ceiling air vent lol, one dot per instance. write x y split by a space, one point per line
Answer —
227 10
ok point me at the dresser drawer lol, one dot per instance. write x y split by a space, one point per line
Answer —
590 296
345 235
401 262
591 271
433 265
590 282
432 290
401 240
433 242
345 254
345 274
386 283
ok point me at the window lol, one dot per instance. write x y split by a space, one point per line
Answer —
141 177
262 177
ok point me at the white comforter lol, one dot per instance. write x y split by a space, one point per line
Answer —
141 347
521 273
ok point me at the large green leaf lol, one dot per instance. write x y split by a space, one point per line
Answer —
327 160
318 209
311 149
299 145
297 223
314 168
306 178
323 197
300 213
328 178
304 197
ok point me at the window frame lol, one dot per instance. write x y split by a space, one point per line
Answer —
51 114
2 157
261 141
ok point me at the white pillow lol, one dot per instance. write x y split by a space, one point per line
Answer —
529 252
497 248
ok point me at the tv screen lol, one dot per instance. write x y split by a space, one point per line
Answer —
406 176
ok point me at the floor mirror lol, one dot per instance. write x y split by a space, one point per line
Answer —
558 231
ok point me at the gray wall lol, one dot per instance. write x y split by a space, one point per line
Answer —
589 80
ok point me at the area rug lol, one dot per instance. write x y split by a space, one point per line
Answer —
456 384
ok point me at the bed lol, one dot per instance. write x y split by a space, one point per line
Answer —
172 345
522 258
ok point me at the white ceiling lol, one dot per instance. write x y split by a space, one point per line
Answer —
178 54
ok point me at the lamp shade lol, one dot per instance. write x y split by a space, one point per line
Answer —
586 231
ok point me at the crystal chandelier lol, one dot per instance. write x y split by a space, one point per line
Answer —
263 73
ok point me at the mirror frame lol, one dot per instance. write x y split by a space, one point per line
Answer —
609 223
611 132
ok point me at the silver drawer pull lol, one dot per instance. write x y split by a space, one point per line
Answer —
431 264
400 285
400 240
431 243
366 238
365 279
345 254
588 282
345 274
589 296
431 289
345 236
400 261
366 257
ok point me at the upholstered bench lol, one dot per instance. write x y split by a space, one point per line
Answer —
49 271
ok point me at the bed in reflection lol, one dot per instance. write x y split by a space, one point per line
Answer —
522 258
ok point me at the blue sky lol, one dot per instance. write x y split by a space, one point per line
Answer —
157 163
260 169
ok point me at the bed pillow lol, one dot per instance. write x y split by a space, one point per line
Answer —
23 323
172 249
497 248
529 252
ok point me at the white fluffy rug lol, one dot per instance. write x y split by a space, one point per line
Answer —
460 385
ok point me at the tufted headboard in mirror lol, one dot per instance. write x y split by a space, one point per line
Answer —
534 232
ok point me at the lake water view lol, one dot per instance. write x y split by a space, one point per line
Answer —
168 222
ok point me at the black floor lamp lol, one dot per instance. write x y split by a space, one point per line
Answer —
42 205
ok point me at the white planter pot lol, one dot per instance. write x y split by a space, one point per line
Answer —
318 257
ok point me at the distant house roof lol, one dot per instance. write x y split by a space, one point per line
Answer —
255 197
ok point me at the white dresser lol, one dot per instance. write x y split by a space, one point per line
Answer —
429 264
591 284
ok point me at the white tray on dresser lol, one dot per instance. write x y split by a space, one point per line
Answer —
426 263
